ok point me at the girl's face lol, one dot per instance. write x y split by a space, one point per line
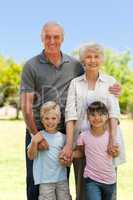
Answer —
92 61
50 121
97 120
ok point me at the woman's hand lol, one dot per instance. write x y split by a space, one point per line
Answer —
66 155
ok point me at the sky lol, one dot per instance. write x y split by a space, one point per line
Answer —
108 22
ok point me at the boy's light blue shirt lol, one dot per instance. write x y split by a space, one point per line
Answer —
46 166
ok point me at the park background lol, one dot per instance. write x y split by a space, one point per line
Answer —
108 23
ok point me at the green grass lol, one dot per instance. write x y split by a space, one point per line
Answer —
12 162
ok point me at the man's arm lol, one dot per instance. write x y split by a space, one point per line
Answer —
32 150
115 89
33 147
26 106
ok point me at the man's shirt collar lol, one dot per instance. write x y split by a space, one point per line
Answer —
43 59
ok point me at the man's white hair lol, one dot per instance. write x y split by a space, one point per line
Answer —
52 23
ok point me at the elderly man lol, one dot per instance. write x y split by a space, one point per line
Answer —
46 77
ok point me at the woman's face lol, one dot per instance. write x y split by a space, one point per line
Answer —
92 61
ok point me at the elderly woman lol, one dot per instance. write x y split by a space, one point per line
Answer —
91 86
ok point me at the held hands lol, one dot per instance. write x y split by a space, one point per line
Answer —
113 149
65 156
115 89
42 143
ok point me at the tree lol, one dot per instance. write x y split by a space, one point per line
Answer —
9 82
117 65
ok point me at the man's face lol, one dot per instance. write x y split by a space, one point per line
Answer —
52 39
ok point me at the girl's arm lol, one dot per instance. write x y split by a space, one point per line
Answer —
114 115
113 146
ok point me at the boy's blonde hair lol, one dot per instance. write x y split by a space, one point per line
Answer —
48 106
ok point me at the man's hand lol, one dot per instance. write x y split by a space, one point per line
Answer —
42 143
115 89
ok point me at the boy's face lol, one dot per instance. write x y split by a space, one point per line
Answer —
50 121
97 119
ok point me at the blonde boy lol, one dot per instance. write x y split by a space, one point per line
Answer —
47 170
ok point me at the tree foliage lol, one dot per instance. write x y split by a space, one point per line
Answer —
118 65
9 81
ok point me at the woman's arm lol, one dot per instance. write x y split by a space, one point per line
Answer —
66 153
70 119
114 115
70 125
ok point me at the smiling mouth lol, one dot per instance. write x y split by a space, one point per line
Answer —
92 65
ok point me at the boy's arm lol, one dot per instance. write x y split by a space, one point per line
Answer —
33 147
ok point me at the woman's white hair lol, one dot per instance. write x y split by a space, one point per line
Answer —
92 47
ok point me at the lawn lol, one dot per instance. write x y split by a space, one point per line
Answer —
12 164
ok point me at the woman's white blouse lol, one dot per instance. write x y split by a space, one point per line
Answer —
79 97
